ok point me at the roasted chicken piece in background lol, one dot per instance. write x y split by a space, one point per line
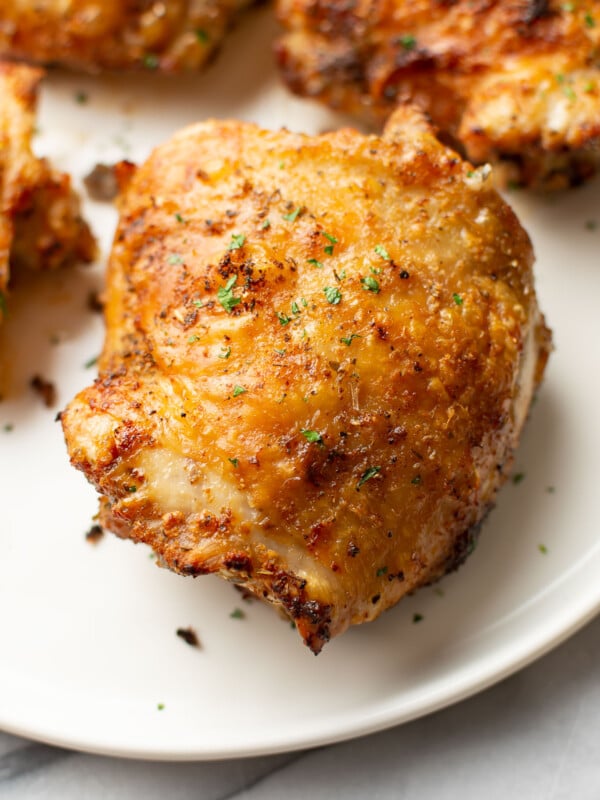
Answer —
40 222
93 35
516 82
320 354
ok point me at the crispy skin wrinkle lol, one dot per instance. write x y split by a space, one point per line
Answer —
516 82
320 353
40 220
94 35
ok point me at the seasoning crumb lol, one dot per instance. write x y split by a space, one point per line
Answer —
591 225
237 613
160 706
543 549
8 428
550 489
438 591
94 534
45 389
518 477
417 618
101 183
95 301
189 636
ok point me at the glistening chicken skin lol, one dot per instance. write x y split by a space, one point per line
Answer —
516 82
320 353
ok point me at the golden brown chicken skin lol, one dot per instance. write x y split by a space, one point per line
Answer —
93 35
509 81
320 353
40 220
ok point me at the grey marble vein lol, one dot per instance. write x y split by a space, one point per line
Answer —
536 736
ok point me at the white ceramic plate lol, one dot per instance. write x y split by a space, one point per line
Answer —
89 650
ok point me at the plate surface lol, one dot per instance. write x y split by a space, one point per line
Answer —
89 651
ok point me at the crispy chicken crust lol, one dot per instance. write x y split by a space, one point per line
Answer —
40 220
516 82
320 353
95 35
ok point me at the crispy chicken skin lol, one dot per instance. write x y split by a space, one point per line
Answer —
40 221
509 81
94 35
320 353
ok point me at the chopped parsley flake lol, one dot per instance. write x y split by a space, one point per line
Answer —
150 61
589 21
417 618
417 480
198 303
283 318
193 338
131 489
543 549
333 241
202 36
280 352
238 390
569 92
518 477
179 218
91 362
295 309
8 428
293 215
568 6
312 436
234 461
266 224
589 87
225 352
161 706
237 613
226 297
175 258
237 240
367 475
381 571
81 98
408 41
381 251
314 262
457 299
347 340
304 302
591 225
369 284
333 295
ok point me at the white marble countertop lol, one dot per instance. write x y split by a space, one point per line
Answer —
536 735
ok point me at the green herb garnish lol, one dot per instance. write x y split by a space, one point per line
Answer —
283 318
226 297
347 340
381 251
237 240
237 613
408 41
314 262
238 390
333 295
369 284
312 436
175 258
293 215
457 299
367 475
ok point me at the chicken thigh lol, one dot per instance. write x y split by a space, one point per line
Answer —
40 221
320 354
93 35
515 82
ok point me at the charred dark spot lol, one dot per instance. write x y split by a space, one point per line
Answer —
238 561
375 599
352 549
404 275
